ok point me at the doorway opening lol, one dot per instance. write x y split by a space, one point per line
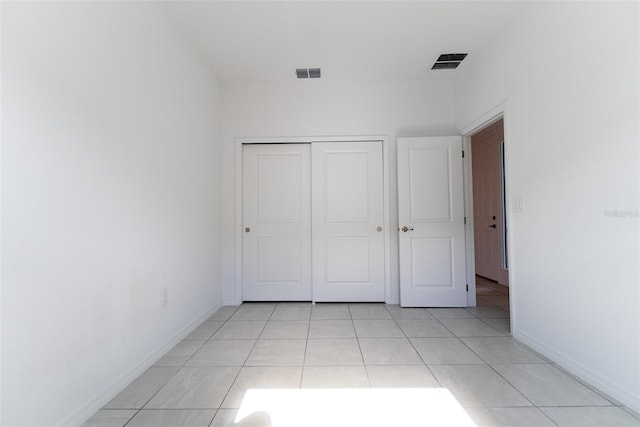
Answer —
490 222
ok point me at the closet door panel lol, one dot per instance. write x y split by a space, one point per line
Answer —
347 218
276 253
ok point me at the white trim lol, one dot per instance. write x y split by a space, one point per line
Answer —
487 119
387 227
84 412
274 140
582 373
506 120
236 298
470 252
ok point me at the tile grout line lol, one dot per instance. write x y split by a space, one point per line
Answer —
581 382
235 378
189 359
364 364
485 362
180 367
415 349
306 346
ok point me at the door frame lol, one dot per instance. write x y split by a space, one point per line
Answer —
493 115
239 142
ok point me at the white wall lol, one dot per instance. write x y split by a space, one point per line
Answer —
570 74
110 193
322 108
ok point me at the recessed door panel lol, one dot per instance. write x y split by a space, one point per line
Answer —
285 187
429 184
279 259
347 260
346 187
431 219
431 260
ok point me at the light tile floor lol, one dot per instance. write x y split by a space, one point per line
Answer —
469 352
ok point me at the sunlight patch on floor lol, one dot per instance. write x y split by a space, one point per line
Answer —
376 407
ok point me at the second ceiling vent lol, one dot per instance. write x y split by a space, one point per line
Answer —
448 61
308 73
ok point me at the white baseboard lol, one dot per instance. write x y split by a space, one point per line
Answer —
229 301
87 410
621 395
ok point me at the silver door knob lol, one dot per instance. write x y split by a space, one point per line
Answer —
405 229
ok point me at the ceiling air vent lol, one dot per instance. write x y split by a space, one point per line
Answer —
306 73
448 61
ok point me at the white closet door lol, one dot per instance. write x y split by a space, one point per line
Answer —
431 219
277 223
347 219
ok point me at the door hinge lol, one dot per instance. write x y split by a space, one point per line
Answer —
467 287
463 154
465 219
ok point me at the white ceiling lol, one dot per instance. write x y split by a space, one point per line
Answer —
265 41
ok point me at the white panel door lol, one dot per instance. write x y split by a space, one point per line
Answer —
276 251
431 220
347 219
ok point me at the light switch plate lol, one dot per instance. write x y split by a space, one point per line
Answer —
518 204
